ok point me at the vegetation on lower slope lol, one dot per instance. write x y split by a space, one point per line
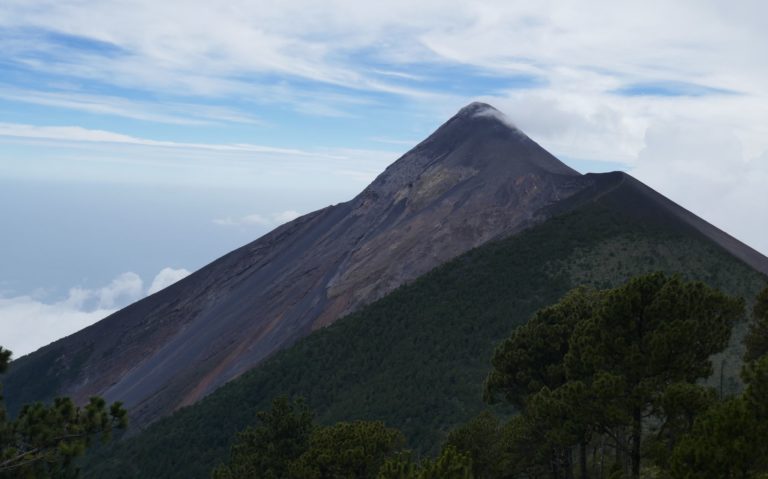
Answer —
50 372
417 358
611 374
43 441
608 385
285 443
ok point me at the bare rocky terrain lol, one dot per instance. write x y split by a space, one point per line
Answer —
475 180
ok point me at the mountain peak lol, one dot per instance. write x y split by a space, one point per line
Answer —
475 179
478 141
476 107
482 110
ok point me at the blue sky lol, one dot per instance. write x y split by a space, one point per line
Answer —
140 140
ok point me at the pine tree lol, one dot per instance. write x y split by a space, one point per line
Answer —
651 333
44 440
603 363
268 449
757 339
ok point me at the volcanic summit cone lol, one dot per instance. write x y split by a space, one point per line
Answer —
476 179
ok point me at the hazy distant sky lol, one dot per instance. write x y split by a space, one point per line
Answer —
141 139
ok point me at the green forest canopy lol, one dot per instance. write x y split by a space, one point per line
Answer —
606 382
448 323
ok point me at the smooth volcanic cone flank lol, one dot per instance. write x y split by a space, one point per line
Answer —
476 179
636 199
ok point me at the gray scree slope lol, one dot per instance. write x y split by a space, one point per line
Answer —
476 179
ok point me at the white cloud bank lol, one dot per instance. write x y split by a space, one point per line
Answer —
275 219
125 288
165 278
28 323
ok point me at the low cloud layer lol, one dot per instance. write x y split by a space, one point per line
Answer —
125 288
165 278
29 322
274 219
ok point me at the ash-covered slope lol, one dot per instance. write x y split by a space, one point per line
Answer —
417 358
477 178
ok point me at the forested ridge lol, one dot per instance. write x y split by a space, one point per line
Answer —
417 359
607 383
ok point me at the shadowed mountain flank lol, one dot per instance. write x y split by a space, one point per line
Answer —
417 358
475 179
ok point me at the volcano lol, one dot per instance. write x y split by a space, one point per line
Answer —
475 180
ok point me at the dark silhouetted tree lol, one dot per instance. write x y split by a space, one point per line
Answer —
354 450
268 449
450 464
530 364
757 339
605 362
483 440
651 333
729 440
44 440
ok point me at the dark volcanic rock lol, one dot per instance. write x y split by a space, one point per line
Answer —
476 179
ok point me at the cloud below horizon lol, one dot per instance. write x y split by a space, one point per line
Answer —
275 219
165 278
29 322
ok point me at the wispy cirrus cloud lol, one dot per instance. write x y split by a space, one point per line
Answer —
175 113
394 141
587 82
84 154
437 54
79 134
228 48
670 89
